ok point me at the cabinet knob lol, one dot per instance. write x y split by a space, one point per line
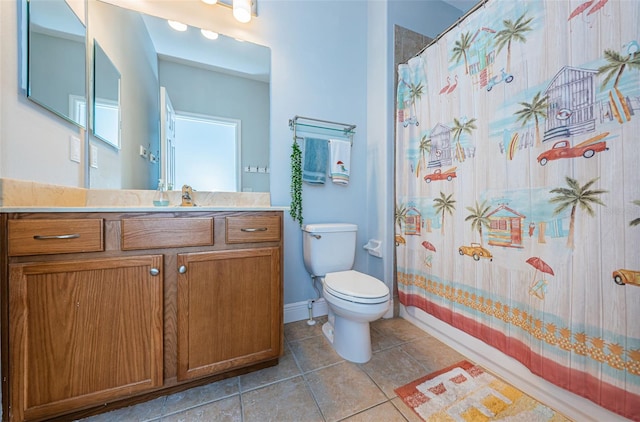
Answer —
154 271
182 269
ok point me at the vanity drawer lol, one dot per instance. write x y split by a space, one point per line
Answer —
253 229
42 237
152 233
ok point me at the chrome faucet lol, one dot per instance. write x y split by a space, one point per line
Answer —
187 196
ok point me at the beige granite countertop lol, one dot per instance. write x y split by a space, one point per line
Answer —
26 196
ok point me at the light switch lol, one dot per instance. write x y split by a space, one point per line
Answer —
143 152
93 156
74 148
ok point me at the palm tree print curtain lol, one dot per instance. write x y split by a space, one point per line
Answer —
518 189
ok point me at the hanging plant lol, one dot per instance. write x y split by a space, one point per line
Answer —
296 183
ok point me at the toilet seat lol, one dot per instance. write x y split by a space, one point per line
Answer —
356 287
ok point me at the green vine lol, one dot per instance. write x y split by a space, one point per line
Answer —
296 183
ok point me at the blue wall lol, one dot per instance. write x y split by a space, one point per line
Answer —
333 60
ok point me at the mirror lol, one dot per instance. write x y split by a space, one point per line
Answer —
168 75
57 59
106 98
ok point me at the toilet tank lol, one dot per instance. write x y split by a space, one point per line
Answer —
328 247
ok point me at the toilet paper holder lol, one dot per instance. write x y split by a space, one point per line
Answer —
374 247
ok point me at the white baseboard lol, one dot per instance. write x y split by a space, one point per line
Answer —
571 405
300 310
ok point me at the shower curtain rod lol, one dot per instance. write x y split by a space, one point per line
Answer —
455 24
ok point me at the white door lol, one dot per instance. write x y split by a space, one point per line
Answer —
168 140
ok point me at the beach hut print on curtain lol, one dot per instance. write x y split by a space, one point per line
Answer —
440 147
412 222
506 227
571 99
482 55
540 139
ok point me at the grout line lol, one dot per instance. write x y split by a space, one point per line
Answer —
307 375
307 385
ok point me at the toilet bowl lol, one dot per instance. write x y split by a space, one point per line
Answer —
354 300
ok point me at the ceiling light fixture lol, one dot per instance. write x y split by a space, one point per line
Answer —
210 1
178 26
209 34
242 10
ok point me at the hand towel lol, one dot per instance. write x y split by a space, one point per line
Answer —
314 169
340 153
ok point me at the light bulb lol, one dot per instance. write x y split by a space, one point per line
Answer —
242 10
209 34
178 26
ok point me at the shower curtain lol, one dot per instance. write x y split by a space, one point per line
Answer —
517 207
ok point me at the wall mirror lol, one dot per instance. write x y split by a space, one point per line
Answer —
57 59
106 98
168 74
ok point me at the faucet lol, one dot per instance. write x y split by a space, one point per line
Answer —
187 198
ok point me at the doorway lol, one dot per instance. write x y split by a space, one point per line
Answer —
207 153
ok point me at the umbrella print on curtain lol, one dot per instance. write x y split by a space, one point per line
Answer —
429 257
538 288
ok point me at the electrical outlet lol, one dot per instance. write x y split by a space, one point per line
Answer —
74 148
93 156
143 152
153 158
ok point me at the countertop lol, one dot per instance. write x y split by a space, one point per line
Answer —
175 208
33 197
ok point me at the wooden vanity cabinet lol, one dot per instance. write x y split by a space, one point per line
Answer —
83 332
137 306
228 310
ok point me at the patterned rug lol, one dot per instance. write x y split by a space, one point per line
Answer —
465 392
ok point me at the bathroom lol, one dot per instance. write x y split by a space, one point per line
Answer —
330 60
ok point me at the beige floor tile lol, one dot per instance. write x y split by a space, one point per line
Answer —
393 368
224 410
342 390
288 400
432 354
331 388
399 328
286 368
381 340
383 412
144 412
313 353
406 411
200 395
299 330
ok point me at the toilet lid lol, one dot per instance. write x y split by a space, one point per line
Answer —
352 285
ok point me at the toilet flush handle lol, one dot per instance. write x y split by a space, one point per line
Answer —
317 236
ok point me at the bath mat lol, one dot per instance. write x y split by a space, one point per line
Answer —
465 392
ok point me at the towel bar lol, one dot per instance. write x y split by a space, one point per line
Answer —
326 127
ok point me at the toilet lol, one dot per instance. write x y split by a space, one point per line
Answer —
354 299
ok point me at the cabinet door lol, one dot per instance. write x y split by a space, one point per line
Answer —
229 310
83 333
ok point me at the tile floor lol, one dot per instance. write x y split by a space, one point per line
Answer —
311 382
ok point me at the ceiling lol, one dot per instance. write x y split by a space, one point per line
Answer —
223 52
